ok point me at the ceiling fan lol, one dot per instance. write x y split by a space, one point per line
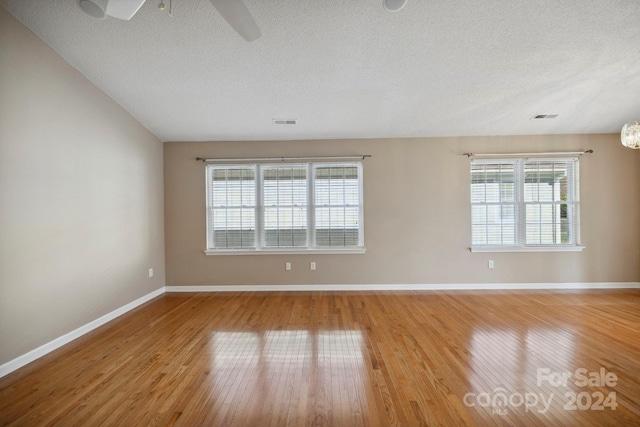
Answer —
233 11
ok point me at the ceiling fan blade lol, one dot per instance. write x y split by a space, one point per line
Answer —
123 9
238 16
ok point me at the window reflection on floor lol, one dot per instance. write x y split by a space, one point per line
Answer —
259 370
236 350
341 347
553 346
510 358
286 347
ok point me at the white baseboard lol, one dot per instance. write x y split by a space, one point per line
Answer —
29 357
408 287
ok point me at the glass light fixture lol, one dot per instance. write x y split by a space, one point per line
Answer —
630 135
394 5
92 8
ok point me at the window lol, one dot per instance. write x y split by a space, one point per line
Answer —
284 207
524 204
337 205
232 207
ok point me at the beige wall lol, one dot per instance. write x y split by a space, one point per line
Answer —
417 189
81 198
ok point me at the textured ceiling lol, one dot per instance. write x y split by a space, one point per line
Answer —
351 69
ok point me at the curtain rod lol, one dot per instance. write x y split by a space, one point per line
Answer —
283 159
554 153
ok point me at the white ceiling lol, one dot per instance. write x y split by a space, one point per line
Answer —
351 69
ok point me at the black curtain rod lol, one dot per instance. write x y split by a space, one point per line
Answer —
283 159
554 153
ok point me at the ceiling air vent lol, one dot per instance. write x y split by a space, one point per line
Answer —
545 116
284 121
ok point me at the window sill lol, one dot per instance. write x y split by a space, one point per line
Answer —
527 249
288 251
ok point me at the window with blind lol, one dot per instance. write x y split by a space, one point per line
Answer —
337 205
284 207
525 204
232 207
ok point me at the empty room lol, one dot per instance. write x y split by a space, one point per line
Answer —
319 213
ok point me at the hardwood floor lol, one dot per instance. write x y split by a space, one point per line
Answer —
345 359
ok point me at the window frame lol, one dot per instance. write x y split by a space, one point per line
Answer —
260 247
208 178
261 207
520 217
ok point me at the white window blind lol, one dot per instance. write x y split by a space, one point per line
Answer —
493 202
284 206
232 207
525 202
299 206
337 205
550 202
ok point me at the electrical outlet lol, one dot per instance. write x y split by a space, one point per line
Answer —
490 263
312 266
287 266
151 272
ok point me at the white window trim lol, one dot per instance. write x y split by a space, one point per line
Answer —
309 249
575 247
288 251
558 248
